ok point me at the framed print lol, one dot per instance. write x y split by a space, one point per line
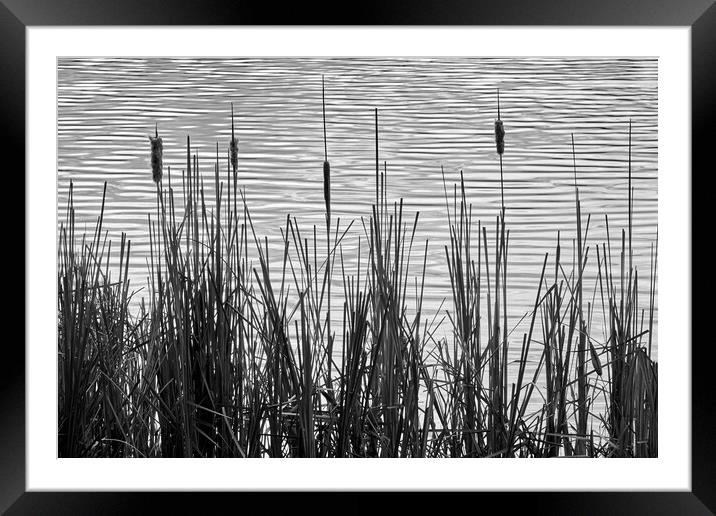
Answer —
323 258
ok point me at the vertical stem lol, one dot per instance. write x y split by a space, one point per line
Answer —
502 182
377 171
502 188
323 102
581 344
630 200
327 195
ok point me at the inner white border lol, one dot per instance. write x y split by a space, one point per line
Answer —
670 471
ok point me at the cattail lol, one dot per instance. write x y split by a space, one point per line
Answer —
327 187
499 130
327 199
499 137
326 165
500 144
156 160
234 144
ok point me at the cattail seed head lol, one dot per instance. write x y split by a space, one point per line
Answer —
327 186
156 160
233 144
234 153
499 137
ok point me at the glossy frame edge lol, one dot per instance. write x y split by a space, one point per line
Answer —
13 496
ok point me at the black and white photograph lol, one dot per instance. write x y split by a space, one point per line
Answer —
357 257
264 245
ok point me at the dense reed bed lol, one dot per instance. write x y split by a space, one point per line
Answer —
232 352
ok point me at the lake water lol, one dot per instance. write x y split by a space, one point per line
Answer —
434 112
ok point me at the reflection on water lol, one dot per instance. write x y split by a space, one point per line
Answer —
434 113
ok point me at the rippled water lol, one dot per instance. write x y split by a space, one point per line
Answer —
434 112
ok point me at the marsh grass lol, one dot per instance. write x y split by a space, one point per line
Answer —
232 353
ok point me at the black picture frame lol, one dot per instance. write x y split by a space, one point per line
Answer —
17 15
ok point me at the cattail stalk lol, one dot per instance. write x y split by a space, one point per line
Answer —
234 144
156 162
326 165
582 329
500 145
630 199
327 199
377 171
